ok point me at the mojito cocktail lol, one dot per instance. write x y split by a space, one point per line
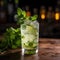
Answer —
29 37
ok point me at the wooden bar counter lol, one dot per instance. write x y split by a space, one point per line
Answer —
49 49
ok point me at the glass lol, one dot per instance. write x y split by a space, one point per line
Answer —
29 37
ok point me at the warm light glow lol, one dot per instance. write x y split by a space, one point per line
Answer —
28 13
42 13
43 16
57 16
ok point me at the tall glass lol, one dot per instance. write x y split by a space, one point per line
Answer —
29 37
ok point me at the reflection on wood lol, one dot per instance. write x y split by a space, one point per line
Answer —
49 49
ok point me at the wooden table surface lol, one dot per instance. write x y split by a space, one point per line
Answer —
49 49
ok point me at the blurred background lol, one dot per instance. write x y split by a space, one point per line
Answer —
48 12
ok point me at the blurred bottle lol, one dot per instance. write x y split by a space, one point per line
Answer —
58 3
10 11
58 6
16 5
3 16
28 12
50 15
56 15
42 14
53 15
35 11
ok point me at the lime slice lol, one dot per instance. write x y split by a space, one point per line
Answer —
31 30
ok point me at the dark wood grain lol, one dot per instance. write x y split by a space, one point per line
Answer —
49 49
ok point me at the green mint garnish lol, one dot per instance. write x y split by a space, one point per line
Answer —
21 16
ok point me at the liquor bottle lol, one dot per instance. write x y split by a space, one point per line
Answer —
58 6
10 11
16 5
35 11
58 3
28 12
16 2
50 15
42 17
56 15
2 12
42 14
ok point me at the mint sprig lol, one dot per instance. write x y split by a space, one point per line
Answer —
21 16
12 39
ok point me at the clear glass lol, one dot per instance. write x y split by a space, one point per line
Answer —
30 37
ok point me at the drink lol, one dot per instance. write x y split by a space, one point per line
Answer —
29 37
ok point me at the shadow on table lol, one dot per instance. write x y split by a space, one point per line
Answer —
30 57
18 56
12 56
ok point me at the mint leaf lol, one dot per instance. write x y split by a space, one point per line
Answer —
19 11
33 18
24 13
